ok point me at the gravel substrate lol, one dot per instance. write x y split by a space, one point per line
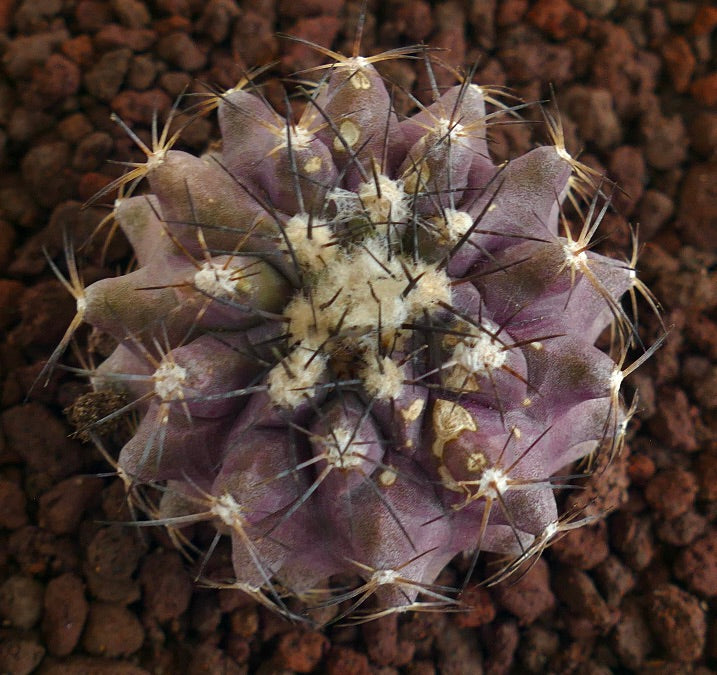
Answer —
636 83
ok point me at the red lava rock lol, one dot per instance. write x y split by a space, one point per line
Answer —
39 552
131 13
113 35
21 601
594 113
705 20
665 140
704 90
56 80
671 492
75 127
181 51
92 151
105 78
62 507
321 30
683 530
19 655
345 661
697 565
245 621
675 421
631 638
79 50
640 468
529 596
577 590
7 241
627 166
537 646
477 607
413 19
706 471
501 640
300 650
166 584
112 630
614 580
141 106
114 552
65 614
697 216
12 505
45 167
217 19
557 18
677 621
294 9
655 209
381 639
583 548
91 15
631 536
679 61
208 659
90 665
37 436
23 53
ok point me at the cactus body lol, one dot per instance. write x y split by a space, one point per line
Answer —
359 346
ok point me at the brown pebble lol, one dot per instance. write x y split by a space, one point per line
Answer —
632 537
501 641
665 140
65 614
300 650
614 580
105 78
704 90
19 654
594 113
476 607
208 659
677 621
56 80
697 565
92 665
114 552
529 596
627 167
167 585
698 206
557 18
181 51
583 548
131 13
112 630
79 50
671 492
113 35
62 507
577 590
631 637
674 422
141 106
679 61
655 209
46 168
683 530
217 19
12 505
381 639
21 601
345 661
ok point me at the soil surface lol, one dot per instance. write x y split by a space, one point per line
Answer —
636 83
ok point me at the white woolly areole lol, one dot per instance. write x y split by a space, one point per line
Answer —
218 282
493 483
480 354
385 577
310 245
299 136
452 225
344 449
446 129
229 511
292 380
384 200
575 256
383 378
168 380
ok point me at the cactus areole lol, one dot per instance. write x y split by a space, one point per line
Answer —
356 345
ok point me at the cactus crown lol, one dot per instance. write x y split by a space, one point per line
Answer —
357 345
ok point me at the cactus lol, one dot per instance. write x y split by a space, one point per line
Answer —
357 346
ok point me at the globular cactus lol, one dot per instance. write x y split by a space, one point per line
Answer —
356 344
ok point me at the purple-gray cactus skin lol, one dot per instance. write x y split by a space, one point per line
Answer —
357 345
